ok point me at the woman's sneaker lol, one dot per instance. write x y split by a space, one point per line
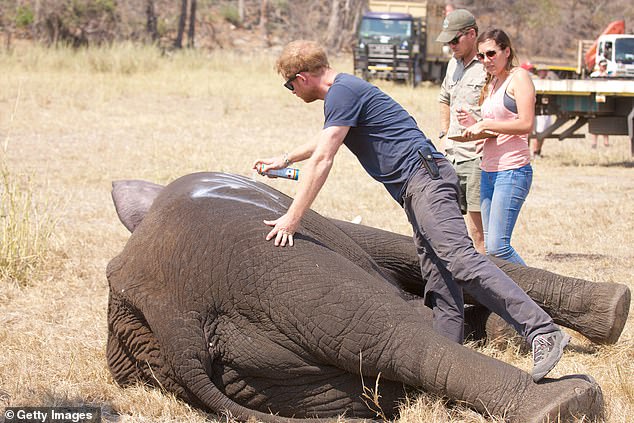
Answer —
547 350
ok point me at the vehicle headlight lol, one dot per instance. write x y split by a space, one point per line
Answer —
404 45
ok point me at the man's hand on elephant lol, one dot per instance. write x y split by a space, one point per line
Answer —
283 230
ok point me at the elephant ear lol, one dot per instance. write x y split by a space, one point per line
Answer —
132 200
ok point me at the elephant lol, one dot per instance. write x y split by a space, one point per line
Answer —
202 306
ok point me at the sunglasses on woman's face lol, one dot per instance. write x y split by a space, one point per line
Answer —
489 53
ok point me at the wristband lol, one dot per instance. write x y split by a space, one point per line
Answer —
287 161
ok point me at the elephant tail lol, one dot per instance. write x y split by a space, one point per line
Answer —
132 200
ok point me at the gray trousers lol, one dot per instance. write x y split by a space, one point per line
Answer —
449 262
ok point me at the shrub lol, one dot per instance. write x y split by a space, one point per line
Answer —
231 14
24 17
25 230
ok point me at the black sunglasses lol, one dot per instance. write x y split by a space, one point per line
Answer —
490 54
456 39
289 83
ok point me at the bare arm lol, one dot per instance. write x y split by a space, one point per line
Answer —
315 174
523 90
445 116
298 154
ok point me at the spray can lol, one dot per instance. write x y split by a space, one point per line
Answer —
287 172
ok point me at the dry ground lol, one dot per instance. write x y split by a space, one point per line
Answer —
72 123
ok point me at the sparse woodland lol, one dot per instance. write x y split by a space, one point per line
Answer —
544 28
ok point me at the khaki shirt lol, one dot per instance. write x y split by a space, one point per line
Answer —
461 88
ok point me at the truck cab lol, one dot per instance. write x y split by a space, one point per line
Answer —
388 46
618 51
396 40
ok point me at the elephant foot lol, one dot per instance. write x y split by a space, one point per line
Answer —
568 399
501 335
602 317
615 314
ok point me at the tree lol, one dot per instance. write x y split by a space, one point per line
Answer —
182 21
151 21
192 24
178 42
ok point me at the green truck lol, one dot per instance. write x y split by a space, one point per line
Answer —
396 41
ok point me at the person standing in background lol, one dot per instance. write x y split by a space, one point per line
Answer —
542 122
602 72
461 89
508 109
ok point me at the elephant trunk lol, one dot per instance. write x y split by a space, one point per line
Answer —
491 387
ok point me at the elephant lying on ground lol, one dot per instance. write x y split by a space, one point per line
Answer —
202 306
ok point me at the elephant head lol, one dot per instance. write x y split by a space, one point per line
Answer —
201 305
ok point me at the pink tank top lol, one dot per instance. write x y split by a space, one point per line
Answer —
506 151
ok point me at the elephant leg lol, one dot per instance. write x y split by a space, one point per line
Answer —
596 310
490 386
133 352
501 335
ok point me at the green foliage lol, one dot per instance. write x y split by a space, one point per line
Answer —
95 7
24 16
280 4
230 14
79 11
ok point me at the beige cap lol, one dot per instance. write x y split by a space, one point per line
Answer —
455 22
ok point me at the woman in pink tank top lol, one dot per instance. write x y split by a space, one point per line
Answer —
508 110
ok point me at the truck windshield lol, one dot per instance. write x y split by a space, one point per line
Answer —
391 27
624 52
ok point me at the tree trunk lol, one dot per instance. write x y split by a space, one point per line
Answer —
347 17
192 24
263 16
151 23
241 11
333 31
8 39
178 43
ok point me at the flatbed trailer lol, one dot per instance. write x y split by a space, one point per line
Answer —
605 104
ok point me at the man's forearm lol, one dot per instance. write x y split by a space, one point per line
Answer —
317 169
445 116
301 152
315 175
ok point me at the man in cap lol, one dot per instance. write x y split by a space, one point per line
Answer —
461 89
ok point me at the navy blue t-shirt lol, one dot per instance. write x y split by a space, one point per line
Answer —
383 136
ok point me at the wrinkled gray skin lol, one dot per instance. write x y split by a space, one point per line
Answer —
202 306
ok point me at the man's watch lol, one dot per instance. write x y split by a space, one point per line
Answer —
441 134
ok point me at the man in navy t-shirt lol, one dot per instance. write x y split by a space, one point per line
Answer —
395 152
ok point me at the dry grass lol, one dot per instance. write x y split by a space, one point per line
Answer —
86 119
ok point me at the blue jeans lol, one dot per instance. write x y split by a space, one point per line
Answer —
501 197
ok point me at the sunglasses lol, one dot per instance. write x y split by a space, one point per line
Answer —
490 54
456 39
289 83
